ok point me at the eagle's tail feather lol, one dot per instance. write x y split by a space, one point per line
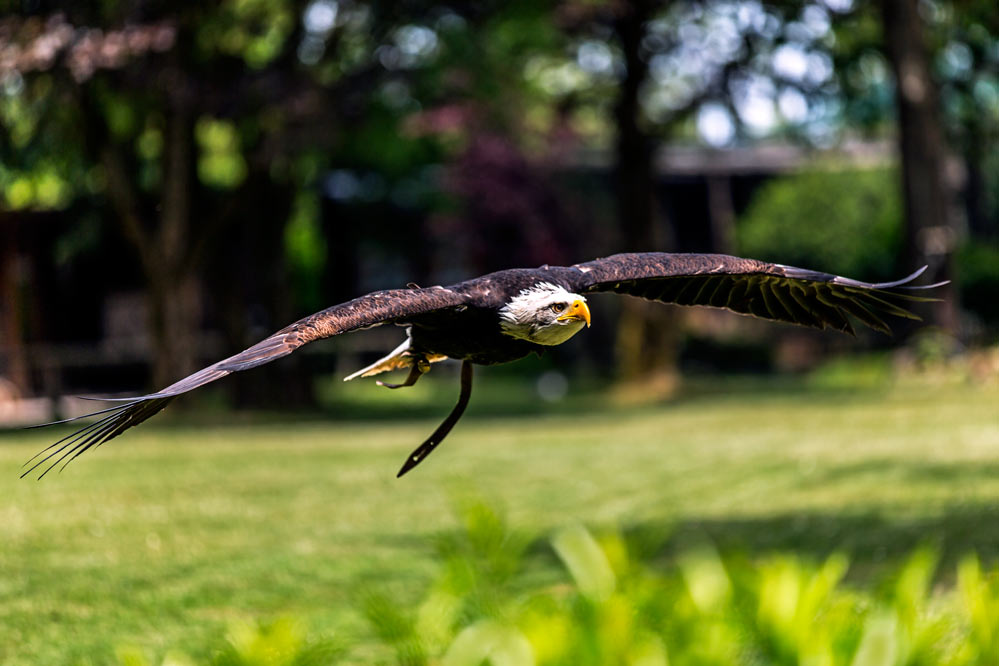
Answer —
425 449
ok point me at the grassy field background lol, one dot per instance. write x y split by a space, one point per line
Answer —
160 539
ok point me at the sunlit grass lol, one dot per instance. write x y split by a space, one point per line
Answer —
160 539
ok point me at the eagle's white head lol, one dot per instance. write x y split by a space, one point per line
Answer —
545 314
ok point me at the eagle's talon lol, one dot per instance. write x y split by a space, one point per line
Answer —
414 374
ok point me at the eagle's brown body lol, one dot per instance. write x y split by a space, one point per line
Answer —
462 321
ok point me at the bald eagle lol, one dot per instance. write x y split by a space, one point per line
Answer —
505 316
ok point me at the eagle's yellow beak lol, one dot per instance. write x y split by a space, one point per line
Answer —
578 312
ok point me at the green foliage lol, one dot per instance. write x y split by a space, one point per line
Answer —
305 249
254 30
42 189
701 608
282 642
220 163
980 594
705 609
466 614
37 171
279 643
847 222
872 372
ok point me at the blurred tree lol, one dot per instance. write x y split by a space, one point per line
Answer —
146 114
928 69
648 335
673 65
928 194
847 221
966 41
194 125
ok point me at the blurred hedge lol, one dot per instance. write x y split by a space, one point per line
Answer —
846 222
849 222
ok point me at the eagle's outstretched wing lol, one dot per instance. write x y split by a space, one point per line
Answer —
375 309
747 286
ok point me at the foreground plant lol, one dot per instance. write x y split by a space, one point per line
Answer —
491 605
701 608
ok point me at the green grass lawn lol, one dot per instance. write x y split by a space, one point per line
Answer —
161 538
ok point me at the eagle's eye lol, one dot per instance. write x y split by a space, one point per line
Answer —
558 308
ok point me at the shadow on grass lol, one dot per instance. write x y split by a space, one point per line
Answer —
875 543
875 538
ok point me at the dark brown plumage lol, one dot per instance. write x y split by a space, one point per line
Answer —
463 321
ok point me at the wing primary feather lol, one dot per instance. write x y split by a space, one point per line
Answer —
804 309
882 285
720 284
779 290
830 316
97 438
798 294
671 286
705 281
913 287
685 286
72 437
75 432
656 290
770 301
80 446
858 310
94 398
818 276
756 307
81 437
885 305
823 298
739 292
81 416
95 434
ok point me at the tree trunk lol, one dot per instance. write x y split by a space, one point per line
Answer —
977 144
13 356
166 250
721 212
647 338
174 312
174 318
249 284
930 231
